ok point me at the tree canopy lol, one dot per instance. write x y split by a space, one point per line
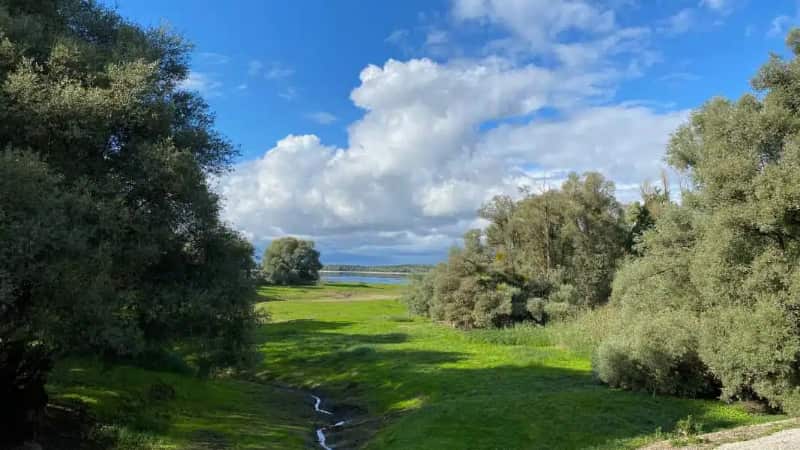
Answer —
291 261
542 257
111 238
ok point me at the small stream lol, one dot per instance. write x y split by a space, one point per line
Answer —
321 438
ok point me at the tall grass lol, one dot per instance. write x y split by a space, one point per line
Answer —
580 335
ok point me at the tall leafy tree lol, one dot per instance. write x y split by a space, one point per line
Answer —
110 238
542 257
724 266
291 261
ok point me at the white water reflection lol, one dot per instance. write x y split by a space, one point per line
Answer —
321 438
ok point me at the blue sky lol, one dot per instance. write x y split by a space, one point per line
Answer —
386 162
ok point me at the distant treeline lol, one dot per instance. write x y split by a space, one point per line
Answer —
400 268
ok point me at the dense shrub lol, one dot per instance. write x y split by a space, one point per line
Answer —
754 350
420 291
657 354
714 300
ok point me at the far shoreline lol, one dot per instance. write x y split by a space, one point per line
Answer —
372 273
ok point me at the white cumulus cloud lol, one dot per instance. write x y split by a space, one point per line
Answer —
434 143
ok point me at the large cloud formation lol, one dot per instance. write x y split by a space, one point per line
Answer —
438 139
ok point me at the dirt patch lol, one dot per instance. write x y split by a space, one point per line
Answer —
739 436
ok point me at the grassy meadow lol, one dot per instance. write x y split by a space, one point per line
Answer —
405 382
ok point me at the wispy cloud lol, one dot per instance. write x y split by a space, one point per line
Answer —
213 58
322 117
271 71
779 26
397 37
278 70
679 76
720 6
436 37
203 83
288 94
254 67
679 23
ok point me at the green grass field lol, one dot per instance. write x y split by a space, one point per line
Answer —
408 383
204 413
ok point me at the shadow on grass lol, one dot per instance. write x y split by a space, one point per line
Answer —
419 394
445 403
203 413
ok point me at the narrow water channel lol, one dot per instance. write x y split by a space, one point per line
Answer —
322 439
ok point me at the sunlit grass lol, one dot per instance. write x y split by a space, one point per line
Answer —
412 383
514 388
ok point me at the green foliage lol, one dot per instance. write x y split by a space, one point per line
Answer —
542 258
687 431
713 300
657 355
111 237
419 293
291 261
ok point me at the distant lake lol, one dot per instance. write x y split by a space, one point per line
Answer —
358 277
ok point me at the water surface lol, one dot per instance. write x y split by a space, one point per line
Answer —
356 277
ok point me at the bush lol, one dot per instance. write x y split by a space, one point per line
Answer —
536 308
657 354
418 295
560 311
753 349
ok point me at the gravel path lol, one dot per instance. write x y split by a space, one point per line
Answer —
782 440
778 435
